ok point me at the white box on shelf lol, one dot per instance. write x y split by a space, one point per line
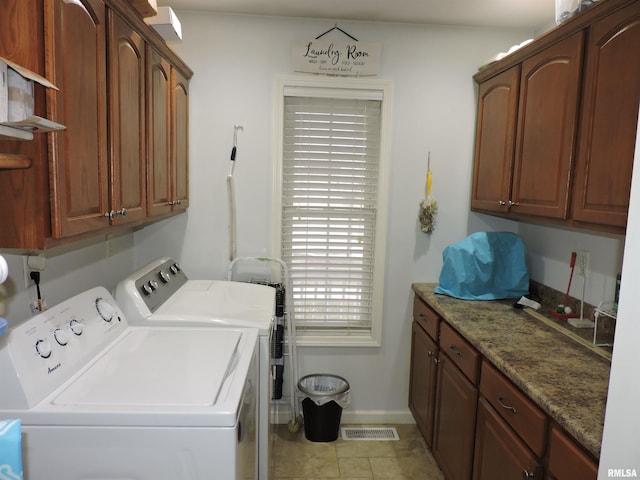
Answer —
167 24
20 96
4 92
17 102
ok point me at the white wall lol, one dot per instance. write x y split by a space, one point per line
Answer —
236 60
68 271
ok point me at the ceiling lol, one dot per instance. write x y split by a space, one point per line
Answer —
535 14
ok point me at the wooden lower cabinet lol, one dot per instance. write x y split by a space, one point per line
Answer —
454 422
567 461
499 452
478 424
422 390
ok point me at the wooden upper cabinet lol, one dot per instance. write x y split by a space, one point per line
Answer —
158 133
76 64
126 122
607 134
24 213
180 139
547 119
495 139
167 136
72 184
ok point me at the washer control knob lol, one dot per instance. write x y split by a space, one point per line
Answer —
175 268
105 309
43 348
76 327
61 336
146 289
164 276
153 285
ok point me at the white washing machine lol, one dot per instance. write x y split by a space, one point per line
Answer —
160 293
100 399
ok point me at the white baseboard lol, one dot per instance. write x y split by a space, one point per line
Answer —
281 415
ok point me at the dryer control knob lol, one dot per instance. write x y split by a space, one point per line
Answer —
175 268
61 336
164 276
43 347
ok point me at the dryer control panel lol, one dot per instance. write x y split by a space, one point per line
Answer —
43 352
142 292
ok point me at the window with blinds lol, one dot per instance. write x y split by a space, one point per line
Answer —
330 195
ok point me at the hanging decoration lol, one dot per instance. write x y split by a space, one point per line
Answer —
336 57
428 207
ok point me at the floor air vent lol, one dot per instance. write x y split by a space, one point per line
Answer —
370 433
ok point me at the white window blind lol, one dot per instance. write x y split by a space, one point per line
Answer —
330 182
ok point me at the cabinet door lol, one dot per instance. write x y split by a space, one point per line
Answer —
495 139
547 117
454 422
567 461
76 64
179 136
126 121
24 192
499 452
158 133
609 117
422 386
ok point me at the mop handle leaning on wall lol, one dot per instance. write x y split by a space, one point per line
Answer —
231 195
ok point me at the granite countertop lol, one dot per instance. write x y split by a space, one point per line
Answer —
565 379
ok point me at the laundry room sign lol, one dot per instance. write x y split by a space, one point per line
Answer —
336 57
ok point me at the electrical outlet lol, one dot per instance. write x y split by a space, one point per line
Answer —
582 263
25 268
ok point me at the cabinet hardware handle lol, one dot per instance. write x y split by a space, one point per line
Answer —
110 215
422 317
501 203
430 353
172 203
527 474
436 360
122 211
513 204
506 407
455 350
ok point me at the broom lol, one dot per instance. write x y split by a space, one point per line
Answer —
428 207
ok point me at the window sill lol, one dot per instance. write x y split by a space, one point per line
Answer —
336 341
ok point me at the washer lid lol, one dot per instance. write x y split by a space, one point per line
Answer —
157 367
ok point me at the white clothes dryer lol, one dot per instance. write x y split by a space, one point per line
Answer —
160 293
100 399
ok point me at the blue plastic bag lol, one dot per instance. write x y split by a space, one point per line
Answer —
484 266
11 449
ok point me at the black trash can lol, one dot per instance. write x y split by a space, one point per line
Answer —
324 396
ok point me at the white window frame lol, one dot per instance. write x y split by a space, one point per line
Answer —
342 88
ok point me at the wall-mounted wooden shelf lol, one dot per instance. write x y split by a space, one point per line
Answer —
14 162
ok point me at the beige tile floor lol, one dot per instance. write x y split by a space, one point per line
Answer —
297 458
